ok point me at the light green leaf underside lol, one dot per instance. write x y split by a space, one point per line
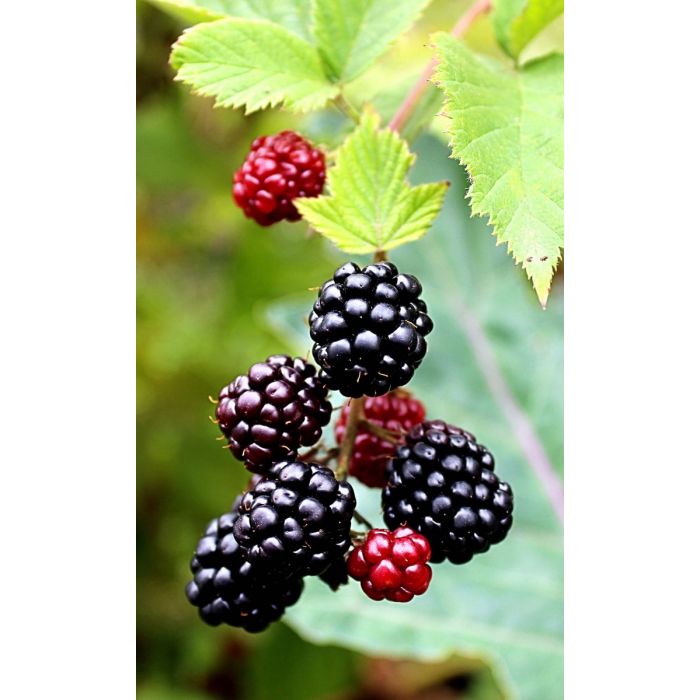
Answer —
506 605
253 64
507 129
518 22
351 34
294 15
371 206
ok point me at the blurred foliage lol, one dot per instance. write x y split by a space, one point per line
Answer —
206 278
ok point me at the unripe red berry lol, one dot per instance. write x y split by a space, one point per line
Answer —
392 565
278 169
396 412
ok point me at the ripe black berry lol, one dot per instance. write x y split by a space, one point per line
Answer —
296 519
369 326
442 484
336 575
228 588
272 411
277 170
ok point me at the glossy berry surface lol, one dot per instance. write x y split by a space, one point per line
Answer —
277 170
269 413
228 589
442 484
296 519
392 565
369 326
396 412
336 575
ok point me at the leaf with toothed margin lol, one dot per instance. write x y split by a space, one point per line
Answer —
351 34
252 64
506 127
294 15
504 607
371 206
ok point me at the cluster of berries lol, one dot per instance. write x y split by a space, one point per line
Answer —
441 499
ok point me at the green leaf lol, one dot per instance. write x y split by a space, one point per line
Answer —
371 206
294 15
518 22
494 367
351 34
507 129
251 63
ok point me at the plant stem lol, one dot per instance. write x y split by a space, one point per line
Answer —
310 454
362 520
403 113
355 415
346 108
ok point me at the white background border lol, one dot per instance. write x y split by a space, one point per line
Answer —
632 347
67 289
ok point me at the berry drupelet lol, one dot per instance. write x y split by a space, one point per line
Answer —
296 520
336 575
392 565
442 484
369 326
272 411
277 170
228 588
397 413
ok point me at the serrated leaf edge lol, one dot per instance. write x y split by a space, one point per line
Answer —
541 286
333 89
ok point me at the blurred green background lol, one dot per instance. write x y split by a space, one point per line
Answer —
215 294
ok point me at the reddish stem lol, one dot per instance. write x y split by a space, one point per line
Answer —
355 415
398 121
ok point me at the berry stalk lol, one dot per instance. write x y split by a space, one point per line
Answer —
346 448
346 108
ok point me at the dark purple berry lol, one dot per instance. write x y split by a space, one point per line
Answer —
268 414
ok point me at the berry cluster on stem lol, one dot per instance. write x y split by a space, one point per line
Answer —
441 499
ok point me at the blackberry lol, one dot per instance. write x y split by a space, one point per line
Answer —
296 519
396 412
392 565
277 170
336 575
369 326
268 414
442 484
228 588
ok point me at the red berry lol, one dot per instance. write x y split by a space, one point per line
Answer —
392 565
277 170
397 412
